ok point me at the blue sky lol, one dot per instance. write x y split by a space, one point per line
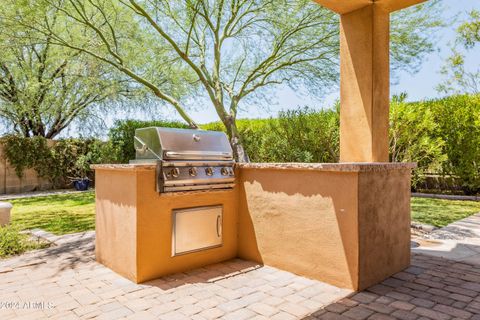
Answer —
422 85
418 86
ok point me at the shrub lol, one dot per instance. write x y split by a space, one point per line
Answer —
13 242
458 118
414 138
440 135
26 153
303 135
58 161
252 133
122 133
74 157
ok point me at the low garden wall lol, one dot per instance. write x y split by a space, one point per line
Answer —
36 163
11 183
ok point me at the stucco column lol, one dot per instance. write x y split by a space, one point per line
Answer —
364 85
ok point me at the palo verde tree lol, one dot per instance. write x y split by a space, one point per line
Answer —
458 79
469 31
230 52
45 87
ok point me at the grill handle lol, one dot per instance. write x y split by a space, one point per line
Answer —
198 155
143 146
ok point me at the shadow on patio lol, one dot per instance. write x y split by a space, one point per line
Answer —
208 274
432 287
70 252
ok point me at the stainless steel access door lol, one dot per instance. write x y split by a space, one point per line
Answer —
196 229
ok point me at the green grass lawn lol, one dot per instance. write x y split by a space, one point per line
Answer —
12 242
439 212
70 213
59 214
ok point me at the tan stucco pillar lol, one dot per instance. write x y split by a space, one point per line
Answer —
365 78
364 84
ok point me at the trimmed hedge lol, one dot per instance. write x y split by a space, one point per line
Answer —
458 120
441 135
302 135
414 137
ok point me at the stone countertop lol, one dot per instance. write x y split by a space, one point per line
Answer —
342 167
124 166
339 167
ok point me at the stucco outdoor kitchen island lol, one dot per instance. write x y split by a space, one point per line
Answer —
347 224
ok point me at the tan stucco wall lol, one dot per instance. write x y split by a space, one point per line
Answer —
116 217
134 224
300 221
384 224
364 85
364 76
154 229
349 229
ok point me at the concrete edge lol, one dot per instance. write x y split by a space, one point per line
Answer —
445 196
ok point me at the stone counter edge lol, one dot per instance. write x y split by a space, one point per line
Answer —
338 167
132 167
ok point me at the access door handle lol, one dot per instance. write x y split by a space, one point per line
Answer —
219 226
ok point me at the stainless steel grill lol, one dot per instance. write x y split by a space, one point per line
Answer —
186 159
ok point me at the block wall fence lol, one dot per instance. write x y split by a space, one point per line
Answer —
11 183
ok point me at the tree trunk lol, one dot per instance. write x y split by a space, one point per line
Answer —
236 141
238 151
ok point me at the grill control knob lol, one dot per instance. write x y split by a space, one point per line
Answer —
192 172
224 171
209 171
175 172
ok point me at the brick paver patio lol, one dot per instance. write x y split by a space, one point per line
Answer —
64 282
432 288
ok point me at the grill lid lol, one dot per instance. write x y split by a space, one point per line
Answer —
181 144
